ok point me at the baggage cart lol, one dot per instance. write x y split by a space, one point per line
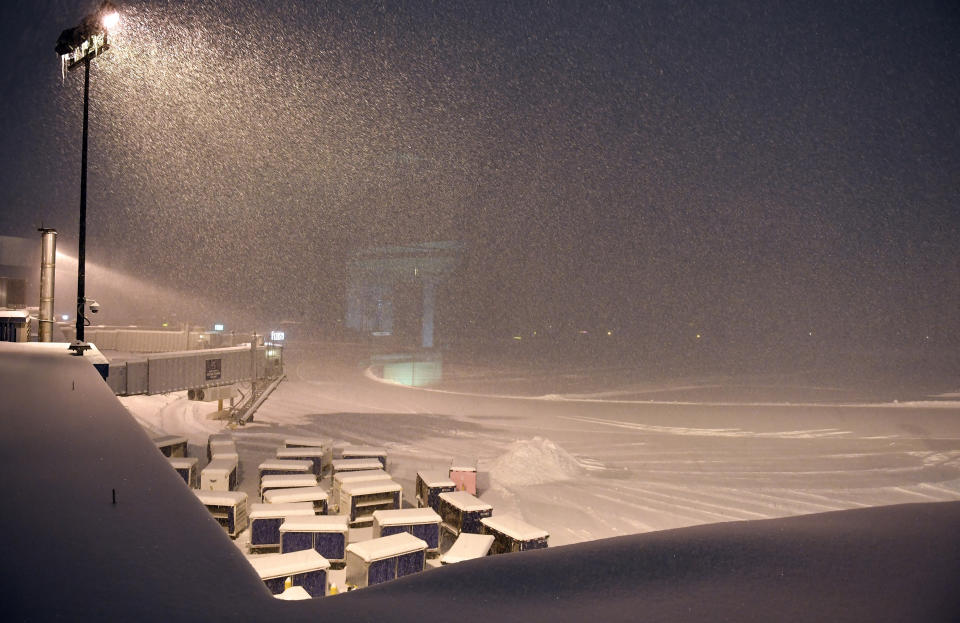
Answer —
384 559
326 534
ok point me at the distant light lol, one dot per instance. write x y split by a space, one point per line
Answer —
810 333
698 336
582 332
609 332
218 327
65 317
111 20
517 337
165 324
277 336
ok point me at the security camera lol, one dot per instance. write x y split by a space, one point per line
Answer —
94 306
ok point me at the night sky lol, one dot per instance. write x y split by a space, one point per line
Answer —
754 173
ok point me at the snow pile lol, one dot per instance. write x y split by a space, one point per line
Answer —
533 462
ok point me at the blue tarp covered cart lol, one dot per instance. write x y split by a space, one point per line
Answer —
317 456
306 568
281 467
384 559
430 485
462 512
363 475
229 508
423 523
326 534
265 521
171 445
512 534
186 466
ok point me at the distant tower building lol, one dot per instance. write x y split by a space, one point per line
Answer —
393 290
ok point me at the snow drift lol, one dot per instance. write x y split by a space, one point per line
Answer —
533 462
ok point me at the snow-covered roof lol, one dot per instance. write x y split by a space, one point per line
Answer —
366 487
361 475
222 445
402 516
14 313
270 566
355 464
462 467
325 523
286 453
467 547
226 463
280 481
465 501
285 464
387 546
168 440
314 442
514 527
291 509
295 494
436 479
180 462
363 451
220 498
294 593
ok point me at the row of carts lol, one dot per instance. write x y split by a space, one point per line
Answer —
305 525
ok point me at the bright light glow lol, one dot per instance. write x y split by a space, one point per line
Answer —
609 332
218 327
111 20
276 336
65 317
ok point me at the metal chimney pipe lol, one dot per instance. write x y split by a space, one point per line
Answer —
48 262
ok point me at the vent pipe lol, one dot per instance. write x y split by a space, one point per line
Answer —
48 262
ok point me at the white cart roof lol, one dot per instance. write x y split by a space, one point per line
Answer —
436 479
361 475
275 481
286 453
467 547
514 527
312 442
402 516
182 461
363 451
221 498
323 523
275 565
465 501
295 494
266 511
387 546
366 486
285 464
222 462
168 440
356 464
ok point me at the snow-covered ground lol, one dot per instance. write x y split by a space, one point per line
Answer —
589 465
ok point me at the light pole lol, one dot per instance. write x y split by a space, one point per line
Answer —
76 46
